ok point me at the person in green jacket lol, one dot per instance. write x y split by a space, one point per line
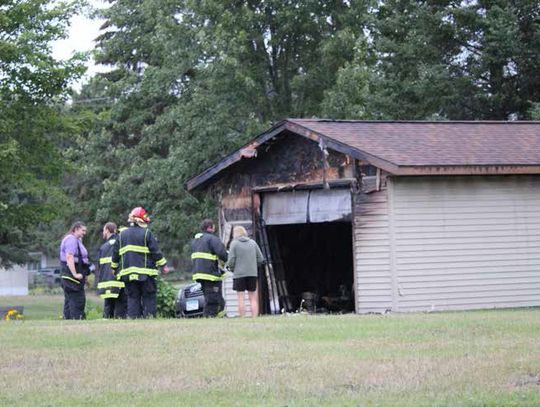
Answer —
244 258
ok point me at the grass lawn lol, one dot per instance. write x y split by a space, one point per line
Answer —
480 358
50 306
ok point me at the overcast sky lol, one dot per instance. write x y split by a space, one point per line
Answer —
82 33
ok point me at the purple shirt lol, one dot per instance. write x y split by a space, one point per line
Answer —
71 245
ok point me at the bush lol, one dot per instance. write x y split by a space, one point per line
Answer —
177 275
166 297
93 311
46 290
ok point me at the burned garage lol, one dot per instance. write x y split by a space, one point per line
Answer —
357 216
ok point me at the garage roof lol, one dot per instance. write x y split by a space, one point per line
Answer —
413 147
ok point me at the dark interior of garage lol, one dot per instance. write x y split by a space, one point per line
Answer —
314 263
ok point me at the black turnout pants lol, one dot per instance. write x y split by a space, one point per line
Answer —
74 301
141 298
116 307
212 297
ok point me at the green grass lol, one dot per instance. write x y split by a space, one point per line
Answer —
480 358
47 307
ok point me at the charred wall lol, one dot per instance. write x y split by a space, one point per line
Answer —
288 159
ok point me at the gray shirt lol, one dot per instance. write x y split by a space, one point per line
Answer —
244 257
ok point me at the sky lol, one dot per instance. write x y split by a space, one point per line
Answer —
81 35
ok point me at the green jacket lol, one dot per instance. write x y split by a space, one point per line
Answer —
244 257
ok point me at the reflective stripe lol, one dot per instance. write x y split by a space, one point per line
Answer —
71 279
207 277
139 270
109 295
134 248
133 277
203 255
161 262
114 265
105 260
111 283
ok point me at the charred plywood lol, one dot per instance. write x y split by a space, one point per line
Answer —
288 159
236 204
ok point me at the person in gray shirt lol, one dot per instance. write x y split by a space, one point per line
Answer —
244 258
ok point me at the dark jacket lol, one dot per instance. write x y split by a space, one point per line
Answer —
206 249
108 286
136 254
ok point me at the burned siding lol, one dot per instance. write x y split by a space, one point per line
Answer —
372 254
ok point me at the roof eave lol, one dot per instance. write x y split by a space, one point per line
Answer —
210 172
493 169
234 157
342 147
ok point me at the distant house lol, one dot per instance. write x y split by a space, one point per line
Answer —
42 260
405 216
15 279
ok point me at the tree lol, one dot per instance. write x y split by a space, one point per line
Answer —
31 84
191 81
499 77
283 54
351 97
449 59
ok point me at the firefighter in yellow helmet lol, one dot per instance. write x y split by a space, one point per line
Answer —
136 258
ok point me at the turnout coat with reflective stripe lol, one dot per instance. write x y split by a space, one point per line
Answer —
136 254
206 249
108 286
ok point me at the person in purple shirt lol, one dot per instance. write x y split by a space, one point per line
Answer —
75 266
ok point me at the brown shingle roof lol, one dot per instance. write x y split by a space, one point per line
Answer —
413 148
437 143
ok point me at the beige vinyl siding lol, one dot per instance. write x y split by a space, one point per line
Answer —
372 253
231 299
465 242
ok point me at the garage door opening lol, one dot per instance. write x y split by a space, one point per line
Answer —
313 263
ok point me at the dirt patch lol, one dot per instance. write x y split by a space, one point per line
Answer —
531 379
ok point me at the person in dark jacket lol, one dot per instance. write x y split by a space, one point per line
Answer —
135 259
109 288
74 270
206 250
244 258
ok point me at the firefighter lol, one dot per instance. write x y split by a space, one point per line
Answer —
136 257
109 288
206 249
